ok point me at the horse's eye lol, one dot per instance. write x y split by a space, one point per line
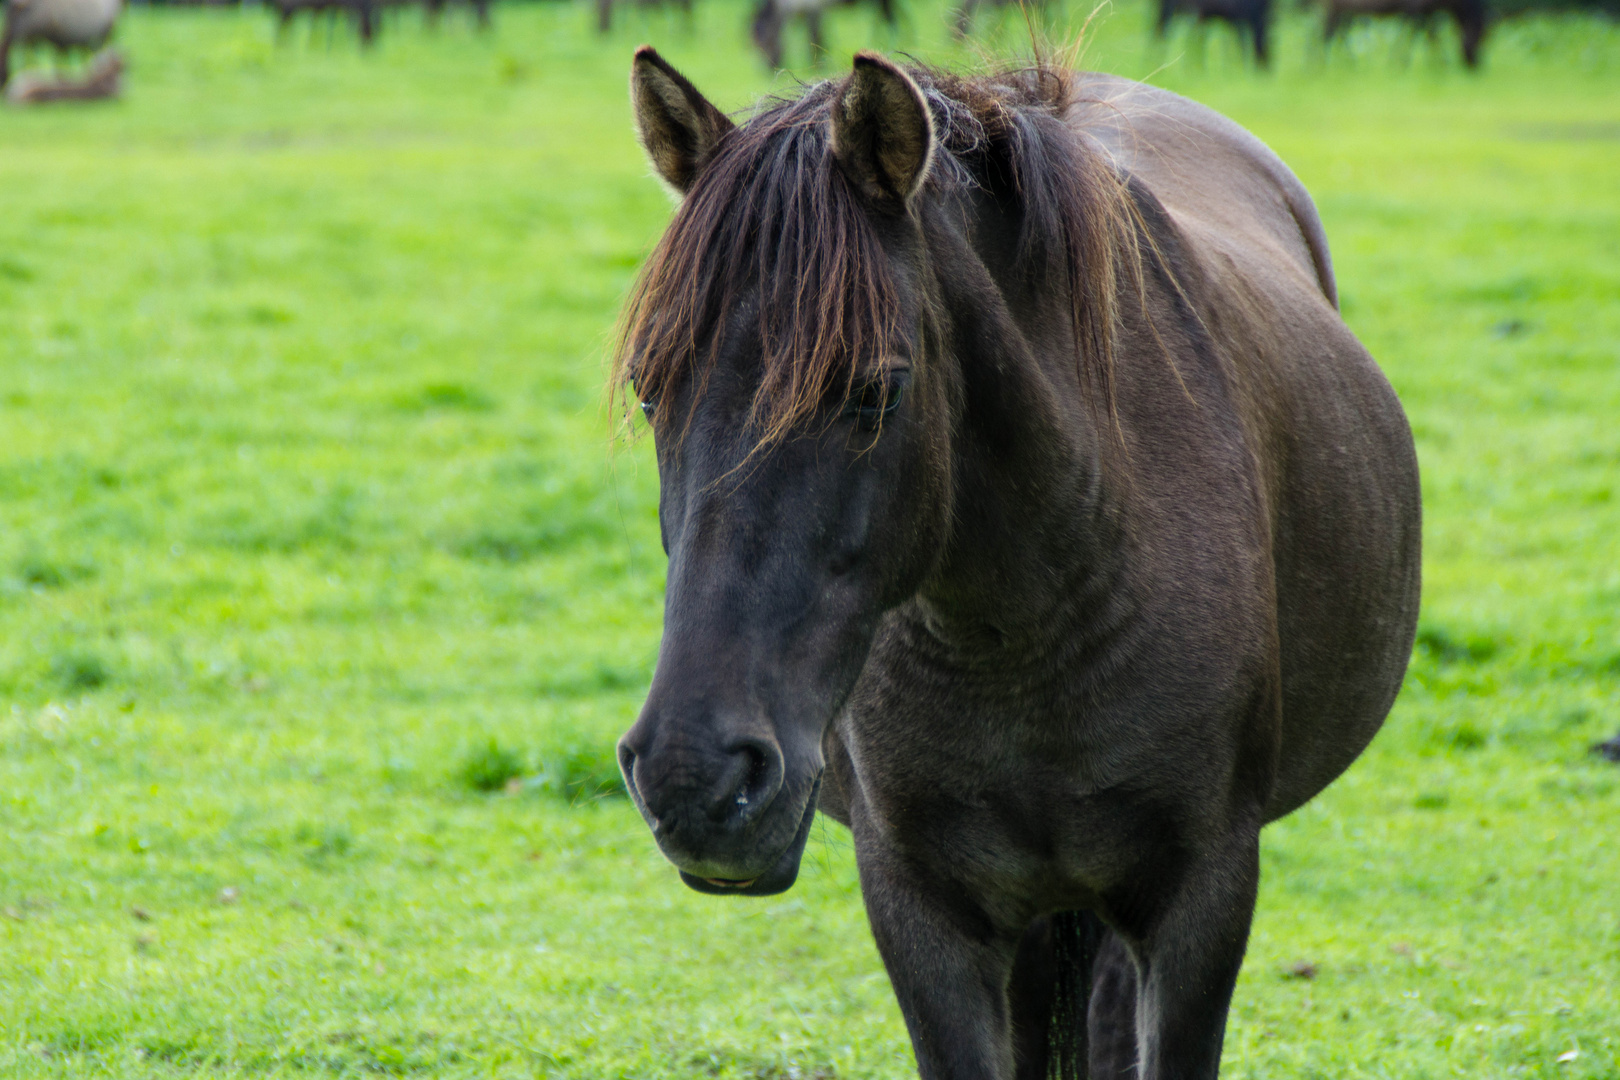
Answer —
647 408
875 402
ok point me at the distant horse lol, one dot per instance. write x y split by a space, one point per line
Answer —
773 15
64 24
1470 16
1031 511
604 10
1252 16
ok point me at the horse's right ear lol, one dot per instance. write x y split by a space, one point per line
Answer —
882 131
678 126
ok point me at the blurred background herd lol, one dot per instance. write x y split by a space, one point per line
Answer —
65 41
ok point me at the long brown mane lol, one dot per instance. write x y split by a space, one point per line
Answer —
773 222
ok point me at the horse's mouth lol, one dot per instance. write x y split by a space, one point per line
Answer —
779 878
724 883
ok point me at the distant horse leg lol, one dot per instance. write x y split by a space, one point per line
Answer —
604 15
767 32
964 17
1259 21
1331 27
1470 17
818 48
1188 956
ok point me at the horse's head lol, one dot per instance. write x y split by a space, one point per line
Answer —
778 343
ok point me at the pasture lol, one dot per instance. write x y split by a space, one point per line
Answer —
325 589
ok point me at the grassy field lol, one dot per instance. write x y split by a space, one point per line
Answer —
324 589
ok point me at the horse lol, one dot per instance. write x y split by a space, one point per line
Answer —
1030 511
1470 15
772 15
1253 16
63 24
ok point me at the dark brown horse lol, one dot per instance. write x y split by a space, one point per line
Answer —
1030 510
1470 16
1251 17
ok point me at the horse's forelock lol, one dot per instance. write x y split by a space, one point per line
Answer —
772 220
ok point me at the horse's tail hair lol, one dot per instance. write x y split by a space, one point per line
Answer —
1076 936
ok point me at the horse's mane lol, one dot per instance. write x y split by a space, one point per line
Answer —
773 217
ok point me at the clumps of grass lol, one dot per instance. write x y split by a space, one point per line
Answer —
323 843
1442 646
599 679
490 767
39 571
1463 736
556 524
579 772
329 520
80 670
13 270
444 396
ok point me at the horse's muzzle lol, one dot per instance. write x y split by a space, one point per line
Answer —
780 877
728 819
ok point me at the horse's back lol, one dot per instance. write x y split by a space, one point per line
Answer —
1332 450
1205 167
65 22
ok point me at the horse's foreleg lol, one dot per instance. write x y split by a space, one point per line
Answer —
1188 957
948 963
1112 1013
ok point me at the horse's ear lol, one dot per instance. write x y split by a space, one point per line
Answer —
882 131
678 126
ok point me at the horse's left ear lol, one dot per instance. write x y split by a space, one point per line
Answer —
678 126
882 131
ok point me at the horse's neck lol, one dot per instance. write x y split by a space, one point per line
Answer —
1039 548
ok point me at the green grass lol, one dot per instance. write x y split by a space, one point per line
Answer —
324 592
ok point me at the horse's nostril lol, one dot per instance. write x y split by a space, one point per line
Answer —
751 779
627 766
761 779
